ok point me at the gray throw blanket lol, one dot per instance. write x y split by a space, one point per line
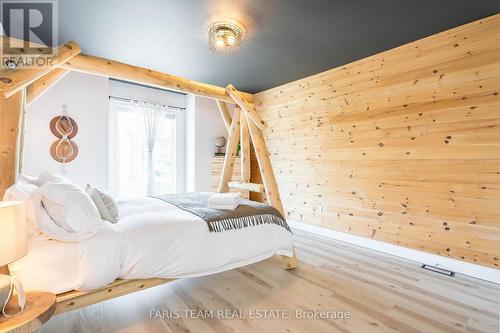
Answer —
249 213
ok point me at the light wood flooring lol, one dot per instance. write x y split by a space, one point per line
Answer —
382 294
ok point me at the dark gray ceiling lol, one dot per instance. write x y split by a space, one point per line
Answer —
287 39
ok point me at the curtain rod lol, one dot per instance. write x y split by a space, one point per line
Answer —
123 99
149 87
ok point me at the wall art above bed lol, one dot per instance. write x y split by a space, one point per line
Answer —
65 128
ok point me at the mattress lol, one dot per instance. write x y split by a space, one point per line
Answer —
49 265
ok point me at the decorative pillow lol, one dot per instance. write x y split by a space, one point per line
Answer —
70 207
105 203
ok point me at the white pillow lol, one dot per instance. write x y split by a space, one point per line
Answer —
52 230
55 211
48 177
70 207
27 179
22 191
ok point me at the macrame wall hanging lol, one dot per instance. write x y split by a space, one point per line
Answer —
64 127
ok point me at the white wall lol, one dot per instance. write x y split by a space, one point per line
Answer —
87 99
204 124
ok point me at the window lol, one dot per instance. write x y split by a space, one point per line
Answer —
131 173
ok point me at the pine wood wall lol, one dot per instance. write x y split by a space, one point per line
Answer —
401 147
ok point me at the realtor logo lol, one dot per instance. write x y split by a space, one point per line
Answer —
29 28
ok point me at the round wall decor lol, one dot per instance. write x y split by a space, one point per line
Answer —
64 128
63 151
66 125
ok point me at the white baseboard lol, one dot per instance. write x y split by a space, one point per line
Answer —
457 266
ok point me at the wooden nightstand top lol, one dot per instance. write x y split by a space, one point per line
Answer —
39 308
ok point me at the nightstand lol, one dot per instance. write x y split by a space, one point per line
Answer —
40 306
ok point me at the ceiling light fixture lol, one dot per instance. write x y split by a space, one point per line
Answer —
225 37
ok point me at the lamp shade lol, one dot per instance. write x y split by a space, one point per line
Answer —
13 234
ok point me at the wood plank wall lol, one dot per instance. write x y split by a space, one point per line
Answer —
401 147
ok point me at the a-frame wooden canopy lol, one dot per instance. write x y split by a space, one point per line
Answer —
20 87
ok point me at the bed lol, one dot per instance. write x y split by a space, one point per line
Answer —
153 242
125 238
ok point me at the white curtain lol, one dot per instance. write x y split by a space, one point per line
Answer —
150 120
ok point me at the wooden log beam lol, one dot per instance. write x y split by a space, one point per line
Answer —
245 148
247 107
224 112
40 86
22 133
10 119
118 70
265 167
73 300
12 81
290 262
232 144
269 180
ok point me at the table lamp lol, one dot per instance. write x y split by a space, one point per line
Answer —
13 246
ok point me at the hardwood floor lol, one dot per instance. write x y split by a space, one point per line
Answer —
381 293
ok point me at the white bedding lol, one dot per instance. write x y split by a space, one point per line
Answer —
152 239
49 265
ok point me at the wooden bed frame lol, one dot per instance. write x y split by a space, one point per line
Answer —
20 87
73 300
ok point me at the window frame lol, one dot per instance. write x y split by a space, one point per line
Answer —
114 145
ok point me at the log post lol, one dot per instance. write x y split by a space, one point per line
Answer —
13 81
245 148
40 86
248 108
224 112
10 120
121 71
22 133
269 180
265 167
232 144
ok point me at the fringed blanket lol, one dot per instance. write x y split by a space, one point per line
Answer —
249 213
